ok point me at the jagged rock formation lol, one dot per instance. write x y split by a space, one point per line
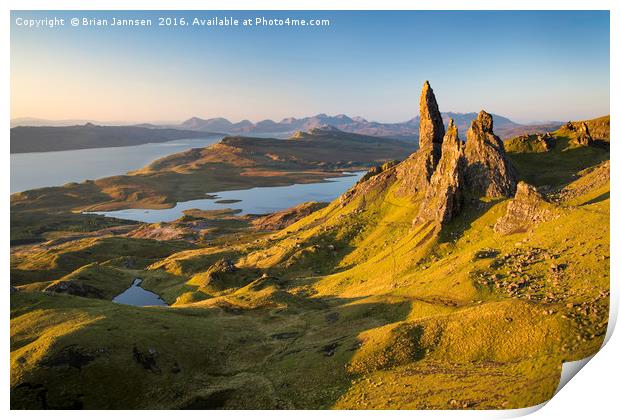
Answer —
416 171
583 135
546 140
488 172
444 170
527 209
444 197
431 123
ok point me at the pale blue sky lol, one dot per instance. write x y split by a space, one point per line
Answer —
540 65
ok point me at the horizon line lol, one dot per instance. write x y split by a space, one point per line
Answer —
254 122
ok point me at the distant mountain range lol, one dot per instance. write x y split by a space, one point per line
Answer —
403 130
36 135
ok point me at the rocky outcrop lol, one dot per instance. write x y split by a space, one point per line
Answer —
531 143
444 197
75 288
376 170
431 123
488 172
415 172
527 209
583 135
590 132
282 219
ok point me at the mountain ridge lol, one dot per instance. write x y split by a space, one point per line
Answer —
357 125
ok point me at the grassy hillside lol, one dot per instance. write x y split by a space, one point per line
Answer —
351 306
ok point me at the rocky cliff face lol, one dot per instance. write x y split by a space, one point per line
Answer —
488 172
527 209
444 196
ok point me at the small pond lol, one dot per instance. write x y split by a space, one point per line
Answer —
137 296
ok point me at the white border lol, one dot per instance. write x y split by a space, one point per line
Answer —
592 395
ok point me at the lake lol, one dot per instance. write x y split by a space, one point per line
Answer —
260 200
48 169
137 296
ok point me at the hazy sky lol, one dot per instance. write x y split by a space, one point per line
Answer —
525 65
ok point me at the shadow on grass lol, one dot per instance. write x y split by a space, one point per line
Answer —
558 166
201 358
600 198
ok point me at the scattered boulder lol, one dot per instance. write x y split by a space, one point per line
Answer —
147 359
488 172
485 253
329 350
527 209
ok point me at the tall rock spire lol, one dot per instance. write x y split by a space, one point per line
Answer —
431 123
444 196
416 171
488 171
